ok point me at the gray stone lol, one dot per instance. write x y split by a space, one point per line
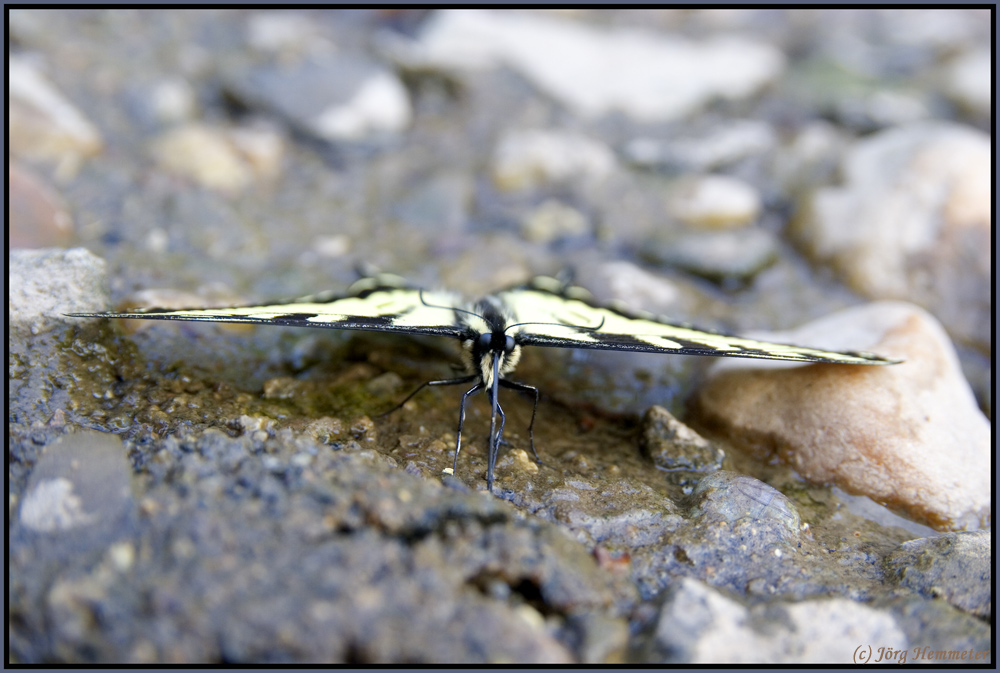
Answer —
677 449
698 625
81 483
957 567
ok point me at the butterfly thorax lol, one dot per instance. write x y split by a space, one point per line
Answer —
489 335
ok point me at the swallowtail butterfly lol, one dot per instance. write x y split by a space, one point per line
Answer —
493 330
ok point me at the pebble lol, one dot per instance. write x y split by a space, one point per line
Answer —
913 221
675 448
82 480
968 81
630 284
42 123
715 202
713 149
649 76
334 98
908 435
699 625
228 160
718 256
37 215
532 158
172 101
553 220
731 496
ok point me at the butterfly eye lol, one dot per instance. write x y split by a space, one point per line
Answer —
508 346
485 341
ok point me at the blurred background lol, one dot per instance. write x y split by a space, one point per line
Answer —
739 169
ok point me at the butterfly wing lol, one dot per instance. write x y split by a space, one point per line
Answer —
378 304
552 314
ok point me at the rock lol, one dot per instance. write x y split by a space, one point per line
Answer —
718 147
717 256
627 283
675 448
553 220
532 158
42 124
910 436
648 76
440 204
37 215
286 32
809 158
44 284
715 201
335 99
957 567
730 496
172 100
968 81
913 221
702 626
228 160
81 481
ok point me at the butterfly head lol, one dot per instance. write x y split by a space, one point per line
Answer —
491 349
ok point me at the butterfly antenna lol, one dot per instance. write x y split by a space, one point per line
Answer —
448 308
560 324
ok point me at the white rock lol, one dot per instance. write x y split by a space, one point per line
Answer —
913 221
969 81
715 201
530 158
700 625
627 283
909 435
649 76
380 105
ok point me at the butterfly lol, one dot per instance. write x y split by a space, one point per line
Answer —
545 312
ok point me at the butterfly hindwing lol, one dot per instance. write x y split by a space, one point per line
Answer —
558 316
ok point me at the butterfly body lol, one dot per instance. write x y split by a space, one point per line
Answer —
493 331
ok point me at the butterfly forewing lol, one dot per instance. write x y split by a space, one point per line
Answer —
382 309
557 320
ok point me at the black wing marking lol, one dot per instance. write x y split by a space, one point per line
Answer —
379 304
552 314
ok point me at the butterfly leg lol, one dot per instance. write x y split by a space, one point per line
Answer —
495 449
443 382
461 416
524 388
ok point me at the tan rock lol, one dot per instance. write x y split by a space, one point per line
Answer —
43 124
910 436
228 160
